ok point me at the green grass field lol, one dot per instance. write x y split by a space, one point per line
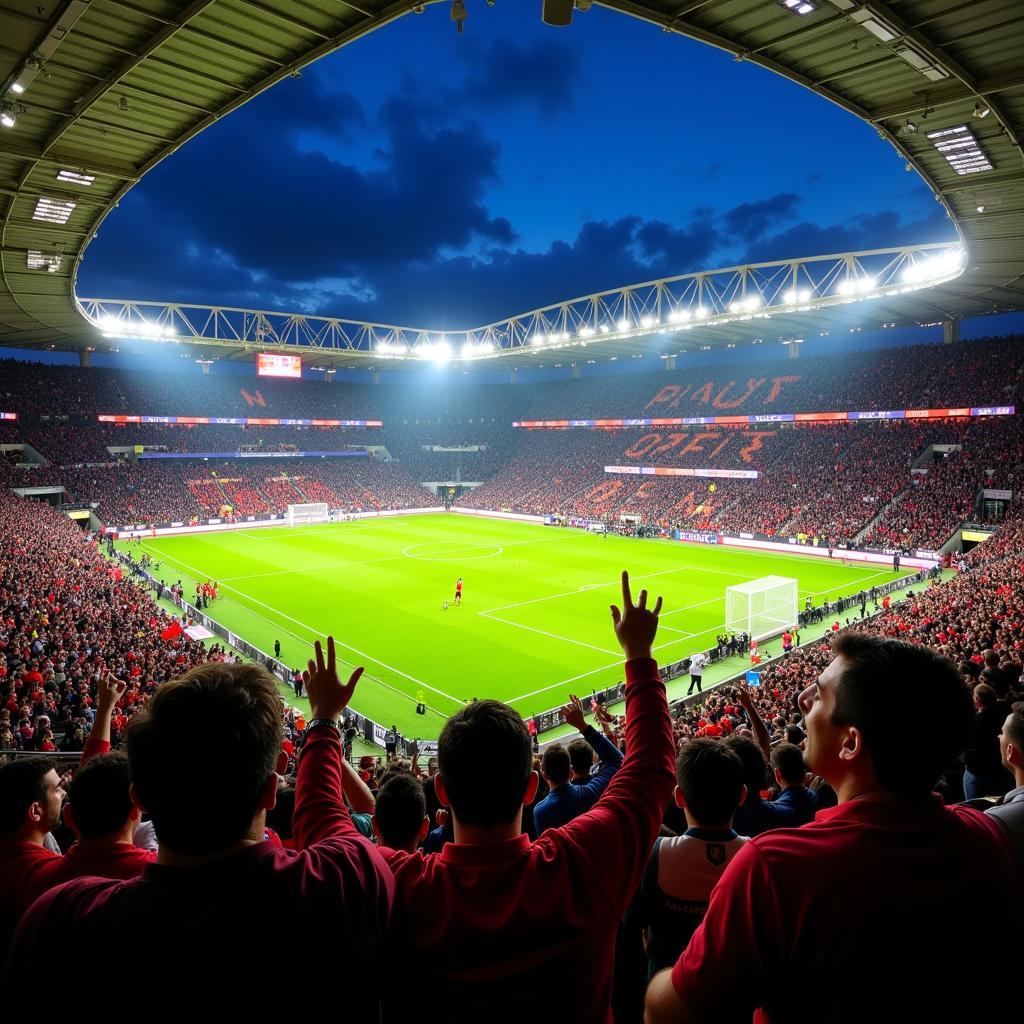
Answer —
534 622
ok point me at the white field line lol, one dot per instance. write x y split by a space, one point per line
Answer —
543 632
672 643
372 561
321 633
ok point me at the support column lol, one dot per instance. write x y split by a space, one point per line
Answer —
794 349
84 357
950 332
513 375
206 364
374 377
575 371
670 363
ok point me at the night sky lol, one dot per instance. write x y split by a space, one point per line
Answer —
426 178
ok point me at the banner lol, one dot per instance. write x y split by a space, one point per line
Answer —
254 455
781 417
731 474
238 421
697 536
997 494
8 415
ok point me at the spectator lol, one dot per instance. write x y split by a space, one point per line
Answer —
1010 812
984 774
565 800
790 773
99 811
682 870
496 923
209 813
873 863
31 792
400 820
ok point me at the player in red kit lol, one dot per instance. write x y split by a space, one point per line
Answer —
458 591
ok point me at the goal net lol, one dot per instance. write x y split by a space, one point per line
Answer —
761 608
314 512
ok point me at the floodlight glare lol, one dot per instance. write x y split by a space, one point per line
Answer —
648 321
623 325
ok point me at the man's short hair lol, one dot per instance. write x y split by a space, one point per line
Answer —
555 764
985 695
485 757
1014 727
881 672
401 808
754 767
788 761
204 798
22 783
710 777
99 795
581 757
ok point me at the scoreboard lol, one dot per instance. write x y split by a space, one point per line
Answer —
270 364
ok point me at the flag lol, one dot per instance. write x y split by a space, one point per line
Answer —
172 631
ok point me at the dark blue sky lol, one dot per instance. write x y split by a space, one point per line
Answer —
427 178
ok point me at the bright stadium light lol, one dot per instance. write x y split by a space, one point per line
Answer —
586 332
856 285
797 295
604 328
648 321
623 325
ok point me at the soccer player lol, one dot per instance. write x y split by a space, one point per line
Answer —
458 591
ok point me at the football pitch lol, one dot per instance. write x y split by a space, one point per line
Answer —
533 625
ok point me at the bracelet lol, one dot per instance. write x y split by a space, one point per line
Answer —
332 722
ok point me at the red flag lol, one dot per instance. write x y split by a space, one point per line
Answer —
172 631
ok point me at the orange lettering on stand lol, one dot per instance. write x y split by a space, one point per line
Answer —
757 441
703 393
254 399
604 492
734 403
642 445
696 446
668 392
777 383
674 440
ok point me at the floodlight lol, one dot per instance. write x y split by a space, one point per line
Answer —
982 110
648 321
623 325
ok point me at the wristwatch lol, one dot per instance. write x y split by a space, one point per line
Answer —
332 722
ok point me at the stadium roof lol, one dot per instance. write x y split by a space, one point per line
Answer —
99 91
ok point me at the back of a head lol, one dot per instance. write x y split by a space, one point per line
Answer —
401 808
985 696
99 796
22 783
484 757
1014 726
888 683
581 757
202 801
555 763
788 761
710 777
750 755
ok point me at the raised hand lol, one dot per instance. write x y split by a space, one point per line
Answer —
636 625
573 713
328 696
109 692
743 695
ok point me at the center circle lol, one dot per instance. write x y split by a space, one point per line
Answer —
443 551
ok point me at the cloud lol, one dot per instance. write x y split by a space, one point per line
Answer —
750 220
880 230
545 74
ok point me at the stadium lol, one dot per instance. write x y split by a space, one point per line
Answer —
805 460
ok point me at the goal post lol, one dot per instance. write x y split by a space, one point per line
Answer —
313 512
761 608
